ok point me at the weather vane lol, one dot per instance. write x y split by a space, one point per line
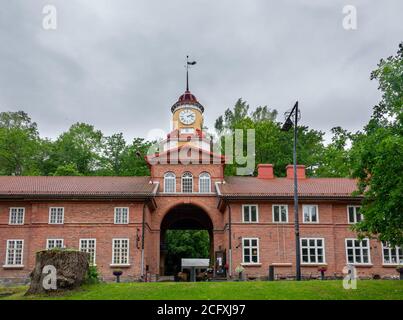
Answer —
188 63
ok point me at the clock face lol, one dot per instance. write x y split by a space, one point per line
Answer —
187 116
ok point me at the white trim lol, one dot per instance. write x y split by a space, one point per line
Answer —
54 239
355 214
127 216
396 248
23 216
50 215
250 213
21 265
317 213
250 247
272 211
369 252
128 252
95 248
316 250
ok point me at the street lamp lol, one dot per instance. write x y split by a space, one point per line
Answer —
288 124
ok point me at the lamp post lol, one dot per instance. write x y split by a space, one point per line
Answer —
288 124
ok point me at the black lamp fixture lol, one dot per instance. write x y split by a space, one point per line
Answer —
292 119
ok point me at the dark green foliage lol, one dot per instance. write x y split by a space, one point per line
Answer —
92 275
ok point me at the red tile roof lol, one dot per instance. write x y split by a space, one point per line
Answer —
284 187
75 186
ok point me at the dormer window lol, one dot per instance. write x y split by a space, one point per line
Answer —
169 182
187 182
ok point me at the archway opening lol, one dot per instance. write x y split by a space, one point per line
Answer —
186 232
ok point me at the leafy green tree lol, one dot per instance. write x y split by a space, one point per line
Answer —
19 144
133 158
335 160
81 145
377 155
114 150
67 170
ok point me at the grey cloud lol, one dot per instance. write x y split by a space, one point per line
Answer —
120 64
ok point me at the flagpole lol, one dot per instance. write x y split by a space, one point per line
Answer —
187 73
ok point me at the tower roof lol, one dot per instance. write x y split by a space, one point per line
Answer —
187 99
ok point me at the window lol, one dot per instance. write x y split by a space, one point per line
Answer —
54 243
120 249
17 215
280 213
14 252
89 245
204 183
56 215
354 214
357 251
313 250
187 130
169 182
392 255
310 213
121 215
250 250
249 213
187 182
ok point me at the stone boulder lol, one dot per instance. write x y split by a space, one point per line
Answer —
58 270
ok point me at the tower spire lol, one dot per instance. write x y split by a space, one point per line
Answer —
188 63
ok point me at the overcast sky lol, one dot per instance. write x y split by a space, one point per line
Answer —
119 65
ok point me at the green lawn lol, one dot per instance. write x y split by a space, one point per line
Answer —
262 290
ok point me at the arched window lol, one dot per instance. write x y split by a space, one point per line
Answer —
187 182
204 183
169 182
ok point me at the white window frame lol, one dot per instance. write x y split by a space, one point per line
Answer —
190 177
16 216
250 213
57 221
250 247
315 247
279 205
355 214
94 254
113 263
173 177
205 176
368 247
121 215
310 216
13 264
54 239
396 252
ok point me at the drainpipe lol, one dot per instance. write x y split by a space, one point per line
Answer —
142 240
229 242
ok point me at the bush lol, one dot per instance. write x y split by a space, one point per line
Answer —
92 275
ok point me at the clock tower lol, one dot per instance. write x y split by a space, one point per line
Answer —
187 119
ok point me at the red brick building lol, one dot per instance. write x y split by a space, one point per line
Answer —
122 221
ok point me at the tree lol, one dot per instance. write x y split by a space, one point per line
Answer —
81 145
19 144
114 150
378 157
335 160
133 158
67 170
271 144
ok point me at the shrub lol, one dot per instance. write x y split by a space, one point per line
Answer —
92 275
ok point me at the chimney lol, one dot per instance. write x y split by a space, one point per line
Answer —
265 171
300 171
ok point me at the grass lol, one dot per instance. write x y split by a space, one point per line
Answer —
259 290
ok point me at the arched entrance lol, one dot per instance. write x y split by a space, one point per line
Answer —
183 217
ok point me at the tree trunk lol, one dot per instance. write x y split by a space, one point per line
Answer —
71 270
